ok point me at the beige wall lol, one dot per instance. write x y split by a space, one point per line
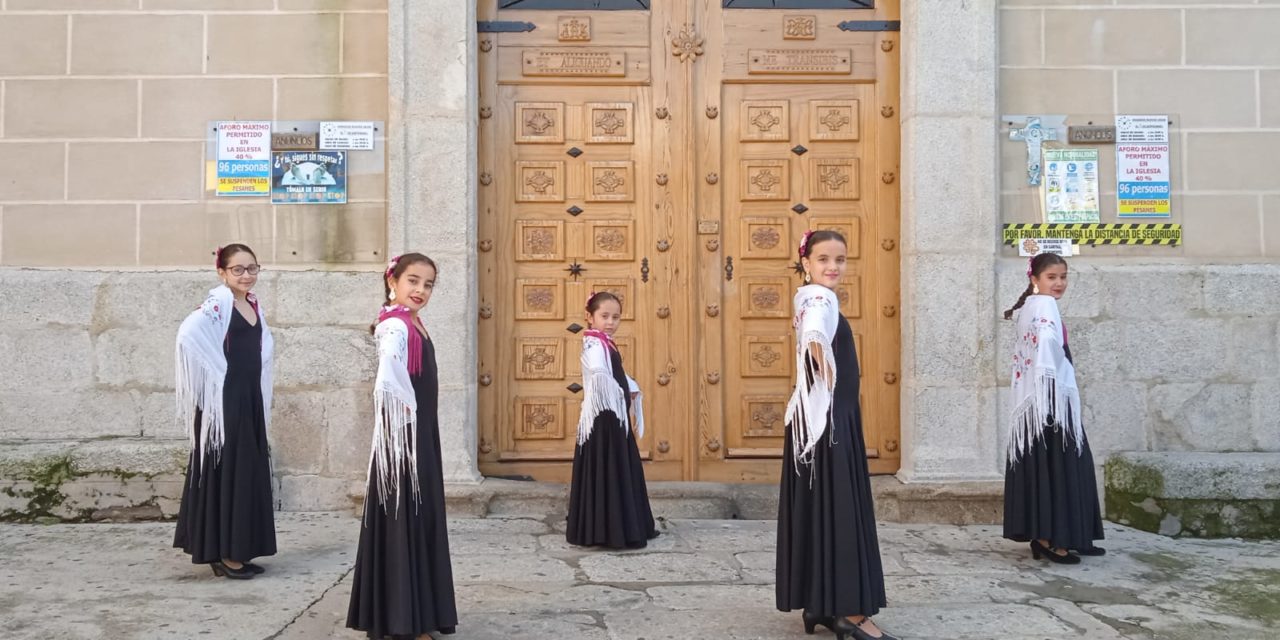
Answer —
1211 66
1178 348
104 106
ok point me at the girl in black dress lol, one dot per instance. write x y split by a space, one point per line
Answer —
1050 494
403 583
608 500
828 554
223 367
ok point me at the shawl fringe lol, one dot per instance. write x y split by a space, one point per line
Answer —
1045 393
812 404
1042 410
602 393
200 370
395 447
395 435
198 386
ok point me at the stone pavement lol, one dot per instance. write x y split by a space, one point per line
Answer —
517 578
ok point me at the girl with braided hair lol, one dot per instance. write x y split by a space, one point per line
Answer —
1050 494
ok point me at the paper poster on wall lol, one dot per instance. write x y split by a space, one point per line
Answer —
353 136
1142 166
309 177
1030 247
244 159
1071 185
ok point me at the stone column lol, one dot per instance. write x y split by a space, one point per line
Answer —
949 241
431 206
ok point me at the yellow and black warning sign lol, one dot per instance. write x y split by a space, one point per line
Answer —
1097 234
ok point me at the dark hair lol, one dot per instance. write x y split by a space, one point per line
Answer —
821 235
223 254
600 297
402 263
1038 265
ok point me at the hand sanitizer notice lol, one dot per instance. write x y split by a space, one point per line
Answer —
1142 166
244 159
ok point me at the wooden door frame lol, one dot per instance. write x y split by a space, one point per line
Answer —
713 465
949 408
707 412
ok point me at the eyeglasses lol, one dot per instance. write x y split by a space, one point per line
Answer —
238 270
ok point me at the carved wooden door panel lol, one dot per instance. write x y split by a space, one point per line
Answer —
799 115
674 152
573 198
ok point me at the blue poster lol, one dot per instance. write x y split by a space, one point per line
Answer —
309 177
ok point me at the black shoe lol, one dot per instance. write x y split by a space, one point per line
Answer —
811 622
842 627
257 570
1092 551
1038 551
223 571
859 634
839 626
447 631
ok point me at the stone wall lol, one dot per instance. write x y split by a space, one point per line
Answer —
95 278
108 223
104 112
1170 357
89 359
106 227
1176 347
949 250
1212 67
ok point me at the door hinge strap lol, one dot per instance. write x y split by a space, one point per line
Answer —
871 25
504 26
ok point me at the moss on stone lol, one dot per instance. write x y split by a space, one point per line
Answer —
1253 594
1135 496
1199 518
1125 475
46 477
1170 564
1133 510
40 483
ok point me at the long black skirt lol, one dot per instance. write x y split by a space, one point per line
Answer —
403 582
828 559
608 500
1051 493
227 511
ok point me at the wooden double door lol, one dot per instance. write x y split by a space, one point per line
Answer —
673 152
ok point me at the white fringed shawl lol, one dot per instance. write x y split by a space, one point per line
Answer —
817 314
600 392
395 410
1044 381
200 367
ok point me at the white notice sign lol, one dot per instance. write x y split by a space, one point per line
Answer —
1143 184
1031 247
346 136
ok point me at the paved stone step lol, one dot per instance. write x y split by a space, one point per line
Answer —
958 503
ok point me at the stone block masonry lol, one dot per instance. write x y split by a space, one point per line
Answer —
125 180
86 394
1169 357
1206 495
108 201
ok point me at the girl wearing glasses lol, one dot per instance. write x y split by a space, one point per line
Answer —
223 368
